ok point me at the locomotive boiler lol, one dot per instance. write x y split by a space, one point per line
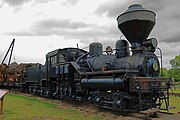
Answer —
125 78
136 24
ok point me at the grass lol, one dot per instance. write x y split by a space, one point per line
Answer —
18 107
176 90
178 84
174 101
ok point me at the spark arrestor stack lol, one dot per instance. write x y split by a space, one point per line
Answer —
136 24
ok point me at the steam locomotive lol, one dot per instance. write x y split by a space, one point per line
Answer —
125 78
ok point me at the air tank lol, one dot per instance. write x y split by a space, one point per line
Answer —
136 24
122 48
95 48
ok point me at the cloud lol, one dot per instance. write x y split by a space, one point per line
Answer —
15 2
61 23
1 4
44 1
63 20
66 28
21 2
70 2
167 26
167 22
156 5
173 39
70 30
112 8
50 27
167 19
169 50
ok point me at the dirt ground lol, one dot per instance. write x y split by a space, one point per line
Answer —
87 108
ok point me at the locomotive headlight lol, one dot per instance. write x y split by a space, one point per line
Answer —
151 42
154 42
155 66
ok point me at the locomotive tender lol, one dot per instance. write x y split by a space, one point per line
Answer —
125 78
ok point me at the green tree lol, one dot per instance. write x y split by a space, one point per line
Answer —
175 63
164 72
174 72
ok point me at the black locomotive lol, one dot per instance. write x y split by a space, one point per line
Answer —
125 78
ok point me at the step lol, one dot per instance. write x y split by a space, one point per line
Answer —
163 97
149 111
169 107
78 98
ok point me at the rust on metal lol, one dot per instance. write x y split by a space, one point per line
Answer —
146 83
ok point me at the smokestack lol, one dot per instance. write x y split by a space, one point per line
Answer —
136 24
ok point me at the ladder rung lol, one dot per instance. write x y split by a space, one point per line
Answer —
163 97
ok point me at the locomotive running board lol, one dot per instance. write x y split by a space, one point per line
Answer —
110 72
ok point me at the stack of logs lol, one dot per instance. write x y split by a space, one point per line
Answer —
14 72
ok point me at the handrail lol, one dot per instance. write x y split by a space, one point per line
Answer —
160 51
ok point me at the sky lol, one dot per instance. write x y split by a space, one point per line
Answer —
40 26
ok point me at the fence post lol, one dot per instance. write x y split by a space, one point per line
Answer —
2 94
